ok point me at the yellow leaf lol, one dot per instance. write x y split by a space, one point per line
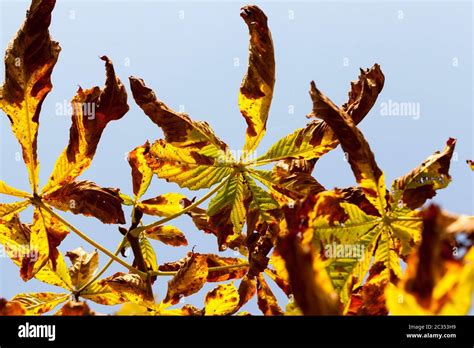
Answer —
93 109
190 279
8 190
168 234
163 205
256 91
29 62
413 189
141 173
188 167
39 303
7 210
223 300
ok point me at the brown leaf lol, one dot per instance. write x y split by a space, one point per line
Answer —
167 234
86 198
416 187
189 279
364 93
11 308
93 109
29 62
362 160
267 301
312 288
141 173
84 265
75 309
256 91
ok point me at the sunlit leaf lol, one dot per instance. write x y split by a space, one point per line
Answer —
256 91
71 308
84 266
228 210
11 308
8 190
189 279
188 167
413 189
29 62
93 109
163 205
7 210
167 234
141 173
39 303
267 301
223 300
317 138
86 198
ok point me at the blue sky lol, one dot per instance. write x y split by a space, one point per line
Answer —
187 52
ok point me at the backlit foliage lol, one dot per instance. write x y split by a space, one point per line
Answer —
290 231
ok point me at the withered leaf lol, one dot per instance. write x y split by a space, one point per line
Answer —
141 173
84 265
86 198
93 109
190 279
256 91
222 300
421 183
71 308
267 301
11 308
167 234
29 62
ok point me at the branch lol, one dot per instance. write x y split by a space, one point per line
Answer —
39 203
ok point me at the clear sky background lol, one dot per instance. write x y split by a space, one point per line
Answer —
186 51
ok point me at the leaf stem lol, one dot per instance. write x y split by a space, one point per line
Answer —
89 240
136 231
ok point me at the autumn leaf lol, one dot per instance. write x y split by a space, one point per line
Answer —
93 109
413 189
11 308
191 155
130 286
8 190
29 62
167 234
256 91
190 279
71 308
470 163
141 173
267 301
223 300
311 284
318 138
166 204
435 281
84 265
86 198
39 303
33 247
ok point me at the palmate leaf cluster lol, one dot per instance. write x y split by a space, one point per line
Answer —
270 208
